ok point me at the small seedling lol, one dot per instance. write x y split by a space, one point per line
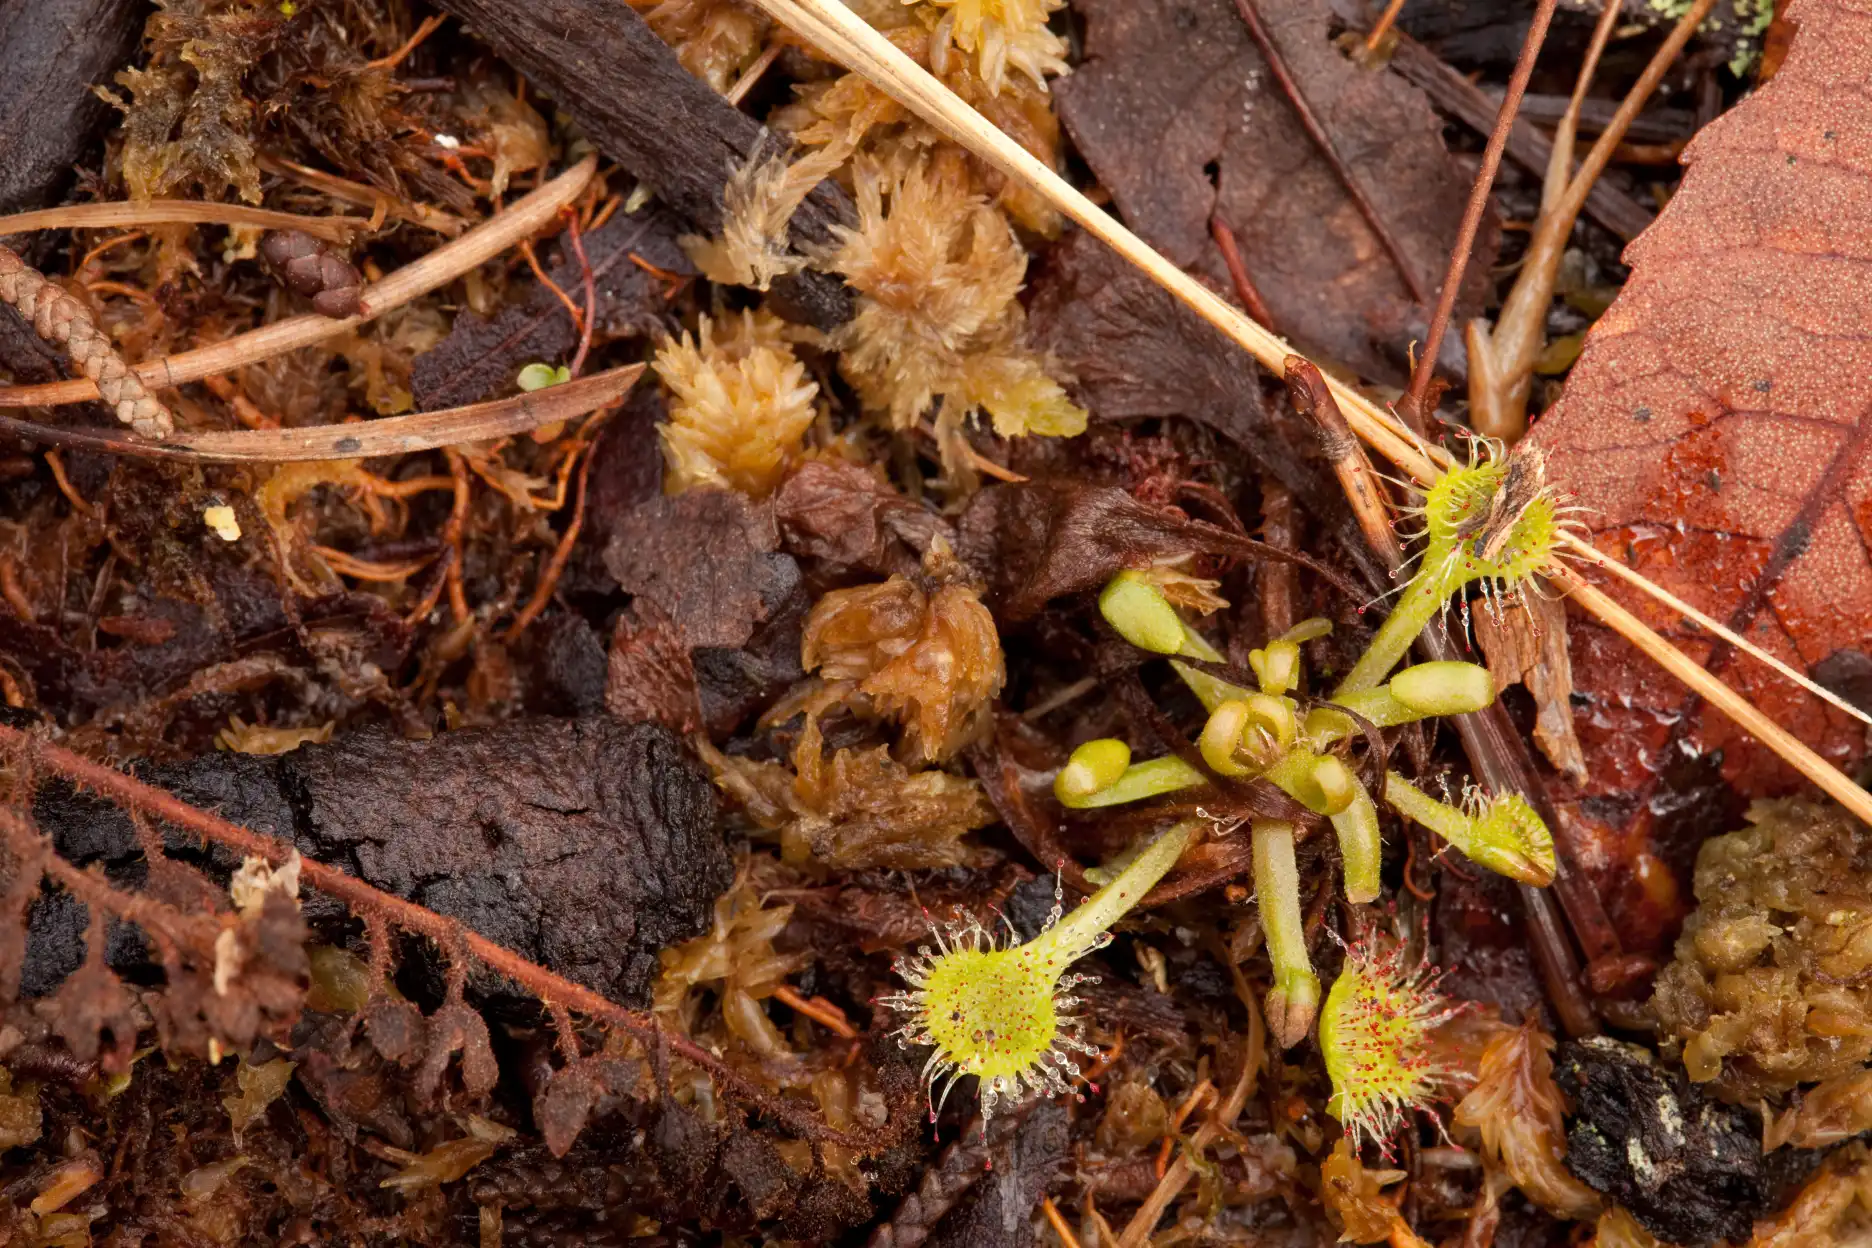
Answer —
1003 1012
539 376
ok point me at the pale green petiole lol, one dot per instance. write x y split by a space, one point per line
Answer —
1294 998
1151 778
1080 930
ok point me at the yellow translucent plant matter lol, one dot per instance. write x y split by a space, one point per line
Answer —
740 405
1003 35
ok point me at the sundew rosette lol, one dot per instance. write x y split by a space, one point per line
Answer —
1375 1033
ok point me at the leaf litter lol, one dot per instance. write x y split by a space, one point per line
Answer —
591 897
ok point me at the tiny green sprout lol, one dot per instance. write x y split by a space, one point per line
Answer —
1492 521
1503 833
1277 665
1002 1012
539 376
1375 1034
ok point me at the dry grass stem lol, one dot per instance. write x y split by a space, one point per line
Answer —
179 211
1501 361
392 435
843 35
1413 404
1738 708
518 221
1176 1177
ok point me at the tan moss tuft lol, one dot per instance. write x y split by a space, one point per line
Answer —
740 405
937 270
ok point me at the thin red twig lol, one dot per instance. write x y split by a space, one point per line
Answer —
591 296
1410 407
372 903
1367 209
1238 273
549 576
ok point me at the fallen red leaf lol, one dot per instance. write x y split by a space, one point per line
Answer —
1717 425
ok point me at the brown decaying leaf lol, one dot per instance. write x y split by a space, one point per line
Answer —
1716 426
1173 88
705 558
649 674
1530 647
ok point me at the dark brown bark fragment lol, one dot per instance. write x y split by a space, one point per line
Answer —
52 52
634 100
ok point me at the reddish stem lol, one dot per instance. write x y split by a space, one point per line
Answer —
1238 273
1411 406
372 903
591 294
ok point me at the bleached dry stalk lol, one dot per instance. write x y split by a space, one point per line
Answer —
517 221
842 34
57 317
390 435
179 212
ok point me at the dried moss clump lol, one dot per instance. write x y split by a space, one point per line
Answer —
714 39
1770 986
740 405
937 269
924 651
854 808
1003 35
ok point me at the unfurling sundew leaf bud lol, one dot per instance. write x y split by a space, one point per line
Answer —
1375 1034
1002 1012
1141 614
1444 688
1093 767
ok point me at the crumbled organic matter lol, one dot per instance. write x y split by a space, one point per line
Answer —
1689 1169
